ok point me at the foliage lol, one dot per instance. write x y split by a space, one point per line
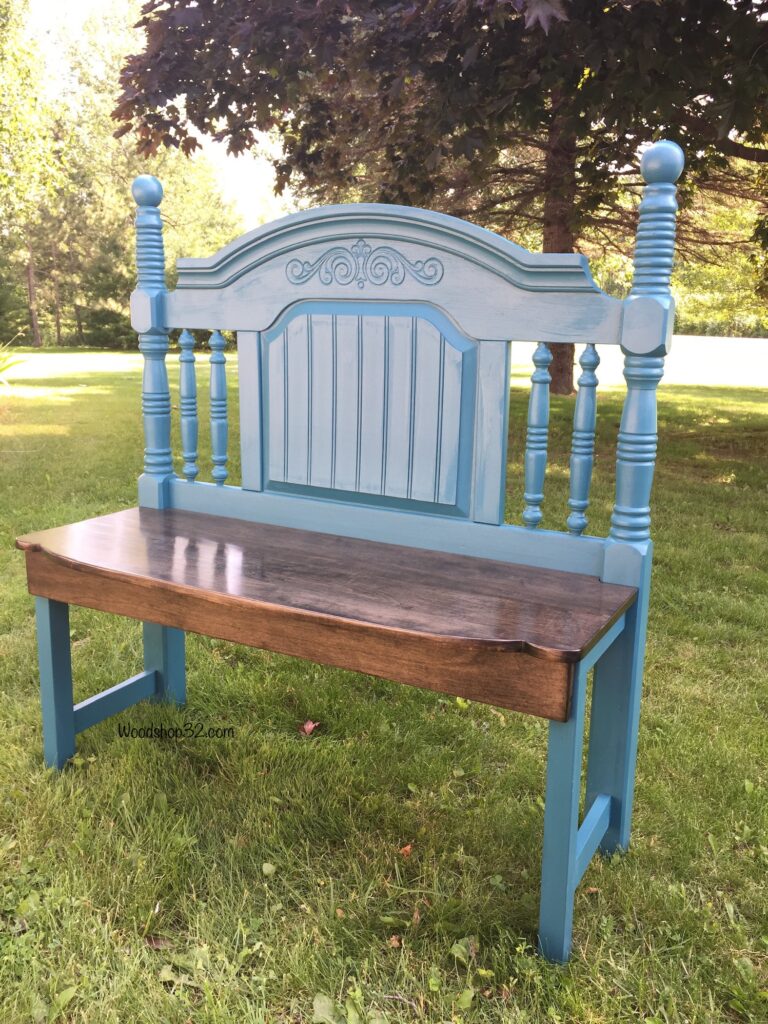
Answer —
464 105
132 887
78 243
455 103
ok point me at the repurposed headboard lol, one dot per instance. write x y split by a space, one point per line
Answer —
373 346
367 529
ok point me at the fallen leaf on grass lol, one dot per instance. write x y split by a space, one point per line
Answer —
308 727
325 1010
394 941
464 1001
268 869
406 851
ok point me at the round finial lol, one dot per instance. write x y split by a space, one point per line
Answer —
147 190
662 162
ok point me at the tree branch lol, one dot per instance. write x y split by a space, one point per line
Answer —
732 148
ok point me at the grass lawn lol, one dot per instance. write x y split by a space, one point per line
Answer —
240 879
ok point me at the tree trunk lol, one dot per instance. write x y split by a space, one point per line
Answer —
79 322
34 322
56 297
559 209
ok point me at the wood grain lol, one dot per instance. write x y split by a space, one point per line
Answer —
487 630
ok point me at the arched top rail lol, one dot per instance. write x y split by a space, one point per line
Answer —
491 288
566 272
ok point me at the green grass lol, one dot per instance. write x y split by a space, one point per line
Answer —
134 885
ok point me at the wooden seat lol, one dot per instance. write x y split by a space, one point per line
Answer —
483 629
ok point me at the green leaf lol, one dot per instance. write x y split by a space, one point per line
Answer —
749 786
325 1010
463 950
464 1000
64 997
353 1016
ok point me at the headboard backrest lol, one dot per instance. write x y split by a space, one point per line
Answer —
373 346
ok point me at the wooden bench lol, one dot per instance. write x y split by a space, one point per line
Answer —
367 529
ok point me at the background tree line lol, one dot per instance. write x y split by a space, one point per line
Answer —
66 213
523 116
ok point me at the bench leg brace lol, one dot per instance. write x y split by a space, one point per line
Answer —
614 724
614 720
163 679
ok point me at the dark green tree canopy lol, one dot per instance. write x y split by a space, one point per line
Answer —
450 78
509 113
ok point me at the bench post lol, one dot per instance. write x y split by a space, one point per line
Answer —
617 684
164 653
163 646
55 662
615 717
148 319
559 874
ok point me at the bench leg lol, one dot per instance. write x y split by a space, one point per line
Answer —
55 661
559 873
164 652
615 719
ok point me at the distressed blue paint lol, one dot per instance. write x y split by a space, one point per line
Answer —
363 264
583 441
490 287
54 659
188 405
148 316
164 654
591 832
536 438
615 715
542 548
382 419
661 165
377 401
559 876
491 428
219 423
595 653
251 427
114 700
61 719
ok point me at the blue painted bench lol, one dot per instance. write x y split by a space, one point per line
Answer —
367 529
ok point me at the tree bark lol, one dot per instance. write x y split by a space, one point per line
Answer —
56 297
79 322
34 322
559 210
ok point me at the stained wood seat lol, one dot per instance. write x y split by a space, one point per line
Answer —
483 629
